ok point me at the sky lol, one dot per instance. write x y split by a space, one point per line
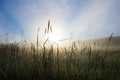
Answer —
84 19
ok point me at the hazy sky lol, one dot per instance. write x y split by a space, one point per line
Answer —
85 19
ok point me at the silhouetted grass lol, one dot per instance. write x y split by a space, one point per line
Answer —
18 61
21 63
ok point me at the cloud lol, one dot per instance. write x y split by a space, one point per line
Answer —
86 19
92 18
6 33
33 14
9 36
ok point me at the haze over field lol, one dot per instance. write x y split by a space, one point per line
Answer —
59 39
83 18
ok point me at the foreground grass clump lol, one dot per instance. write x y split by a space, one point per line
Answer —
21 62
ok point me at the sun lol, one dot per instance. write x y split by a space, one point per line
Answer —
55 37
57 34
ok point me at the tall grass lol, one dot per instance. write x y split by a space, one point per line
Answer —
20 62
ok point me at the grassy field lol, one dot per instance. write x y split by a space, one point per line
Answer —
21 62
50 61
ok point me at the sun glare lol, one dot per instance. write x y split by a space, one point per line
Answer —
56 36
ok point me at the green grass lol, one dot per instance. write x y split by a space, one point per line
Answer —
26 63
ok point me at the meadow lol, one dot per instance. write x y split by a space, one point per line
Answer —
18 61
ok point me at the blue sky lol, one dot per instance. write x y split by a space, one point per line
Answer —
85 19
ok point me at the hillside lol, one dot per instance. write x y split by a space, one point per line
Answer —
102 43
